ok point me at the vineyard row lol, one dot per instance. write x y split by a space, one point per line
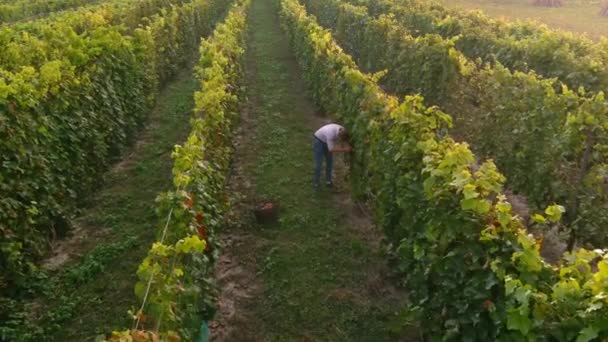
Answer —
73 92
552 146
472 270
175 279
11 11
520 46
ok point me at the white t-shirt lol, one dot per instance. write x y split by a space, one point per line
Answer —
329 134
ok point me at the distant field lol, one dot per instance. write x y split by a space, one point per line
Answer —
576 16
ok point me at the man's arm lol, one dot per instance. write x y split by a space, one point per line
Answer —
338 149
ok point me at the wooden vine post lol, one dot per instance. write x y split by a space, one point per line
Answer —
574 202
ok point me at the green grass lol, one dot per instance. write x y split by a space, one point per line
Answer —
315 268
92 294
576 16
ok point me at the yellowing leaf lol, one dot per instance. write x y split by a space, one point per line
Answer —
160 249
538 218
469 191
50 72
192 244
554 212
566 288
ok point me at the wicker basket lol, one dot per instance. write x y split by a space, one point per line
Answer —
267 212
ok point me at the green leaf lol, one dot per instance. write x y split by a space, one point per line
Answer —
511 284
516 320
522 295
483 206
587 334
468 204
480 206
504 219
418 252
140 289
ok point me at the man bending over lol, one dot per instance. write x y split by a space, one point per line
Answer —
328 140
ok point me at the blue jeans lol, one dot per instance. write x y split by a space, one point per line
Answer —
320 150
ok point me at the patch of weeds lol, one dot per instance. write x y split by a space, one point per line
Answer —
269 261
296 221
97 260
357 247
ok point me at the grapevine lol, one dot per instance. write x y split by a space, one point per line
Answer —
472 270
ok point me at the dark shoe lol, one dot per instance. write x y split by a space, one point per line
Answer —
329 184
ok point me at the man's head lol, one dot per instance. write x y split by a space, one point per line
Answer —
342 134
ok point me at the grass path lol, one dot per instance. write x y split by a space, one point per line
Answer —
318 274
90 285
